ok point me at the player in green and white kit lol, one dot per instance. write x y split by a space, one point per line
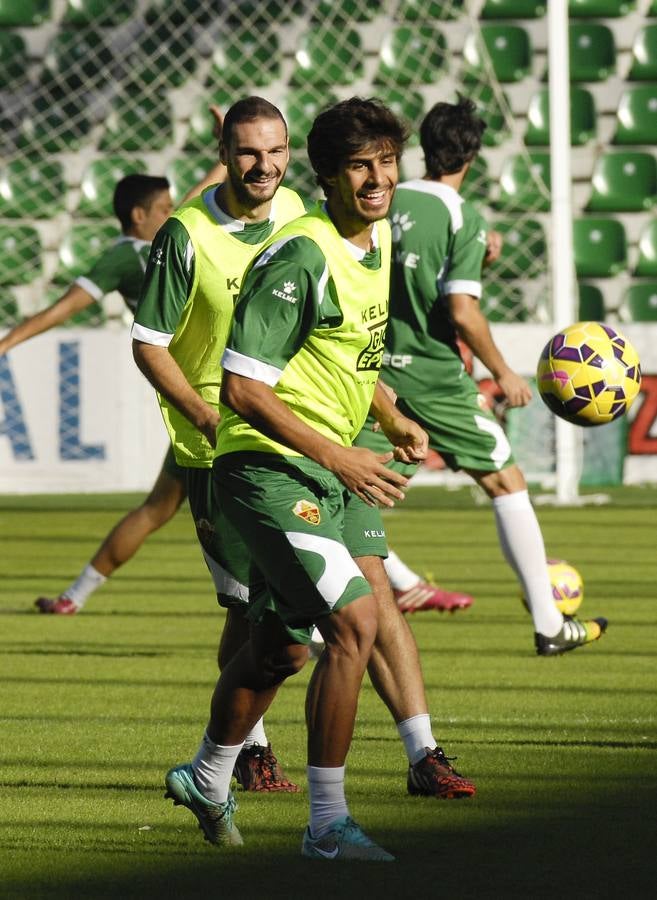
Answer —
440 245
142 203
301 371
181 325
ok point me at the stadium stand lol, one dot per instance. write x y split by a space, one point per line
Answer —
80 247
20 254
89 88
591 305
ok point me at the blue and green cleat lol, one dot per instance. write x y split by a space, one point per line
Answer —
214 819
345 840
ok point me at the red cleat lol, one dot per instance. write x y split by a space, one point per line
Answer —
257 769
434 776
62 606
424 595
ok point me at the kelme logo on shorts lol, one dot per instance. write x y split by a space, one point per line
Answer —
307 511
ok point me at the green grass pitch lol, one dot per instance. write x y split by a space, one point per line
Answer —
95 708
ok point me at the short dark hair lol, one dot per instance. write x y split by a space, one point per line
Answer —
136 190
451 135
247 110
346 127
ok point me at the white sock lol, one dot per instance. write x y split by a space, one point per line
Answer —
257 735
401 577
86 583
327 800
213 769
417 736
522 544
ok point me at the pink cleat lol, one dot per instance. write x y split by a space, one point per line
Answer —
424 595
62 606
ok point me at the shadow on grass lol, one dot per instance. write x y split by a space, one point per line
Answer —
575 850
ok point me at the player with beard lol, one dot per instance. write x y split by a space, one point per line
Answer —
191 282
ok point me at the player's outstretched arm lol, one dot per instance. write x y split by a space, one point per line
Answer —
217 173
75 299
474 330
361 470
166 376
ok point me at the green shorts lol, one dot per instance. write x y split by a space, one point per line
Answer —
231 592
460 428
290 514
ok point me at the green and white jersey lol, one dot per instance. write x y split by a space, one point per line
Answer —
121 268
439 243
192 280
310 323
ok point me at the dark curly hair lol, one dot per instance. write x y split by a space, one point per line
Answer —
346 127
451 135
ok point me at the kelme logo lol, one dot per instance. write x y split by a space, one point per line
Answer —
307 511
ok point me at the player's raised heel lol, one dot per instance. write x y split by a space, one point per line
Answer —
573 634
214 819
257 769
434 776
345 840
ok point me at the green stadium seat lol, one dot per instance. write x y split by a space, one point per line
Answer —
99 180
80 248
524 249
600 247
583 121
98 12
428 10
245 56
186 171
503 301
24 13
644 55
9 312
332 11
13 59
605 9
301 107
200 135
514 9
637 115
411 54
20 254
623 182
408 105
652 9
647 264
78 59
592 51
163 57
326 57
525 183
477 185
32 187
639 303
591 303
138 122
507 46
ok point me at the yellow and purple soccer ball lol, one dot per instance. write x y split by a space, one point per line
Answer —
567 586
589 374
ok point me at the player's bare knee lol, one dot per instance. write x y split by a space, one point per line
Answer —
283 662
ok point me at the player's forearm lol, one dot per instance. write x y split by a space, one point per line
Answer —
48 318
473 329
257 404
166 376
